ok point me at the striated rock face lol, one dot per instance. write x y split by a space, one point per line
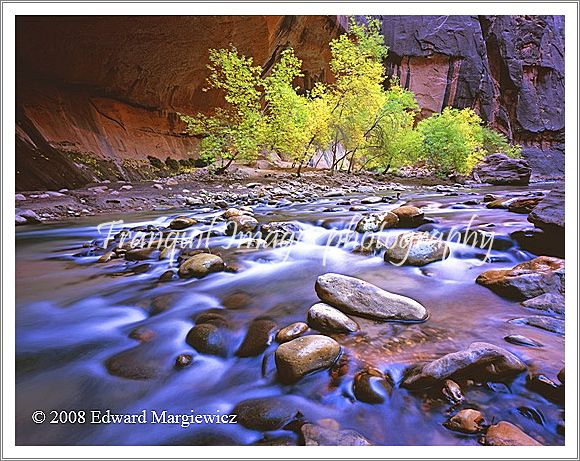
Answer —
510 69
97 95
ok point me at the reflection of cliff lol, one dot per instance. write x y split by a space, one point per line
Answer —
105 90
509 68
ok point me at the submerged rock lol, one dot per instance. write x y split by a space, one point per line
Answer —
480 361
416 249
527 280
291 332
506 434
209 339
372 386
468 421
355 296
183 360
544 322
323 317
315 435
258 338
200 265
296 358
520 340
269 413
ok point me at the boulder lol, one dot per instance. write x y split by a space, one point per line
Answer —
416 249
480 361
274 232
296 358
355 296
200 265
499 169
527 280
507 434
550 213
323 317
409 216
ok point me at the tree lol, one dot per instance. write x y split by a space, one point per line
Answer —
357 94
235 130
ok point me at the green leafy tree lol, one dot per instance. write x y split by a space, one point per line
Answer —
234 131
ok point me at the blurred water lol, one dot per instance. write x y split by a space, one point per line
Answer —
72 315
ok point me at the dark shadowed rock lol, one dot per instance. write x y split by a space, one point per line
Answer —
549 214
526 280
452 392
409 216
355 296
480 361
506 434
269 413
209 339
501 170
258 338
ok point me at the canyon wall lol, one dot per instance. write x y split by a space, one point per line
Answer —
510 69
97 96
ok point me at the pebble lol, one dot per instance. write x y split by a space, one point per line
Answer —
291 332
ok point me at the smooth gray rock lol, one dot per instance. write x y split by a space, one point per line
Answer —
355 296
323 317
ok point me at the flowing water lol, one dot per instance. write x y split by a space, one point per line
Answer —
72 315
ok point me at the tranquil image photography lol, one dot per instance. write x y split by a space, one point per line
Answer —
291 230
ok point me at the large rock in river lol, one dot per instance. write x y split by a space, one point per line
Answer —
480 361
526 280
200 265
501 170
323 317
416 249
358 297
506 434
301 356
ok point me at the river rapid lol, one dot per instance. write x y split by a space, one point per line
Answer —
73 315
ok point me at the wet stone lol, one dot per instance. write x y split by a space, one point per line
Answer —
323 317
291 332
372 386
209 339
315 435
468 421
268 413
452 392
521 340
183 360
507 434
259 337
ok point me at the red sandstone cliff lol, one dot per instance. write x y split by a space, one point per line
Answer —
103 92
